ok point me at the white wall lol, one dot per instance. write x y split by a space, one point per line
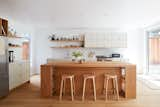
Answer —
136 49
134 52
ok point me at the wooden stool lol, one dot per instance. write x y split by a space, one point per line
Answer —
89 76
115 84
63 83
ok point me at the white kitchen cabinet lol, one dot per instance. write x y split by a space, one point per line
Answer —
100 40
13 75
11 81
106 40
19 73
26 72
90 40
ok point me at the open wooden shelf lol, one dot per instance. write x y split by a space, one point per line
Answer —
3 27
14 46
68 47
15 37
67 40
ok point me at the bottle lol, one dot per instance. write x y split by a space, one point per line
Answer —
53 37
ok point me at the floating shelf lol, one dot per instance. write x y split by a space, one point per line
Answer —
15 46
16 37
67 40
68 47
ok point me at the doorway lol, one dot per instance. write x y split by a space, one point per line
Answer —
152 77
154 52
25 51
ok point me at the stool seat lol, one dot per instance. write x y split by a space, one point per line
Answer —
67 76
110 76
89 76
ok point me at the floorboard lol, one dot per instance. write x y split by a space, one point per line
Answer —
28 95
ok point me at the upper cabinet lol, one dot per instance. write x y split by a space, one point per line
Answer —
3 27
106 40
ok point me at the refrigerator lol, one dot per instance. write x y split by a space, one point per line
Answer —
4 67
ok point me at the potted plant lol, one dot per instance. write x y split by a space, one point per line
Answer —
77 55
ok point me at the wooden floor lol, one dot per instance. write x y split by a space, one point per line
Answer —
28 95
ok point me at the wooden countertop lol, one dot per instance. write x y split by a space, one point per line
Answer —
89 64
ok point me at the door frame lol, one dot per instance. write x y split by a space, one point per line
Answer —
147 31
147 51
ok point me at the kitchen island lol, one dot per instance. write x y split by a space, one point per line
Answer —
51 77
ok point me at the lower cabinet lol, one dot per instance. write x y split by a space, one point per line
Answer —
19 73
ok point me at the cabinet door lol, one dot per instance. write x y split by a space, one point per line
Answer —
14 75
107 40
90 40
117 40
87 41
94 40
100 40
112 40
19 73
23 70
11 76
27 71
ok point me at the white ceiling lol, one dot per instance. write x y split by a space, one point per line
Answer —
83 13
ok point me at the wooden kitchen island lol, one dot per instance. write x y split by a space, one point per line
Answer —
51 77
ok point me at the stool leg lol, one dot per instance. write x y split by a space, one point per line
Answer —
84 85
61 88
106 88
64 86
114 86
72 88
117 89
94 87
104 85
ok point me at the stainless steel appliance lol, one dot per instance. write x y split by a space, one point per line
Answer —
116 55
103 58
4 75
112 57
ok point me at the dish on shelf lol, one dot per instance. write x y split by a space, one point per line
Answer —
13 45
